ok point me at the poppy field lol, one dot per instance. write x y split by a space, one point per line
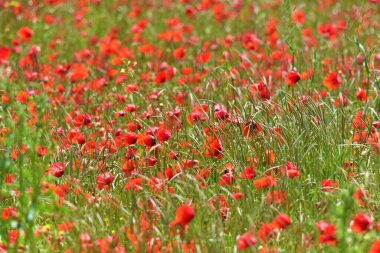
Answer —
189 126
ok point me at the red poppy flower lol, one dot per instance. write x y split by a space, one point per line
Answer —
79 72
292 78
281 221
147 49
12 236
82 119
186 164
9 177
4 99
266 231
66 226
147 140
298 17
104 179
327 233
361 95
291 170
130 138
150 161
361 223
276 197
76 137
183 216
5 52
179 53
9 213
340 101
227 179
359 196
204 57
237 195
129 166
134 184
220 112
375 247
198 114
214 147
249 172
329 185
61 190
85 241
22 96
163 135
264 182
42 151
25 34
251 128
169 173
327 30
245 241
332 81
56 169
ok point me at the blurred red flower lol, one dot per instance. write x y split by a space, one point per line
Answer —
332 81
183 216
245 241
